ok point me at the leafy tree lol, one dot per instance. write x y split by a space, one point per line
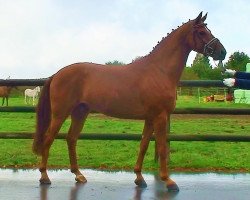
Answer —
201 66
189 74
215 74
237 61
115 62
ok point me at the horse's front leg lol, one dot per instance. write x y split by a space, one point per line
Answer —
146 136
33 98
160 128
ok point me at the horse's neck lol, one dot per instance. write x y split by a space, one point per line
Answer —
170 55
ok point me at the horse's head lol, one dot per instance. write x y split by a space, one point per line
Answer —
202 40
38 89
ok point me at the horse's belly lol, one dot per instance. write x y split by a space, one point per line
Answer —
120 108
124 114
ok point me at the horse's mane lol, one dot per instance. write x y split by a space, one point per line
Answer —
162 41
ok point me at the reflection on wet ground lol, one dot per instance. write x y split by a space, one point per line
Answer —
103 185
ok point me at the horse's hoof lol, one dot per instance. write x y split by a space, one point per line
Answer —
45 181
80 179
141 183
173 188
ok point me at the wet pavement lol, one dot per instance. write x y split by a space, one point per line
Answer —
103 185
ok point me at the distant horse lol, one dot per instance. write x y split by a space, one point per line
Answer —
4 93
29 93
144 89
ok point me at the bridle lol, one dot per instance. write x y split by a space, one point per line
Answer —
208 50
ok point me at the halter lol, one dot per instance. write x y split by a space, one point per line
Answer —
208 49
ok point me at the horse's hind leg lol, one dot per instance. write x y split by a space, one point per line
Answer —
146 135
78 116
50 135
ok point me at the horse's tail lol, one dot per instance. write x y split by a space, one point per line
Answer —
43 118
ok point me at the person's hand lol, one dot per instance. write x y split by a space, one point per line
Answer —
230 72
229 82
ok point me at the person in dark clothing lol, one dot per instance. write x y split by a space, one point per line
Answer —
240 80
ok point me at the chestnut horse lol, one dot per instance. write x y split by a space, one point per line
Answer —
144 89
4 93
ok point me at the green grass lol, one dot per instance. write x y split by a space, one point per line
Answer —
122 154
199 156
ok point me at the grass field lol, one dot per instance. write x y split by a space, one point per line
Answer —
122 154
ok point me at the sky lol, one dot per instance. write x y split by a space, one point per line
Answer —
39 37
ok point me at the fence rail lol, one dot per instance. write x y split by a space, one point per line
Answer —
211 111
40 82
137 137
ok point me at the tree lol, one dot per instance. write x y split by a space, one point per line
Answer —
201 66
189 74
237 61
115 62
215 74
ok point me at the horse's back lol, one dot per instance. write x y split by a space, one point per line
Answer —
31 93
27 91
91 73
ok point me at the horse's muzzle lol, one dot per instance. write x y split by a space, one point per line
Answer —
220 54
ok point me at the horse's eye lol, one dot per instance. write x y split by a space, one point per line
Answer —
202 33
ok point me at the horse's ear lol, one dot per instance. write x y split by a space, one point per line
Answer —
204 17
198 19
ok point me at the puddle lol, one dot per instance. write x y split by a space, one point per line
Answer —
23 184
